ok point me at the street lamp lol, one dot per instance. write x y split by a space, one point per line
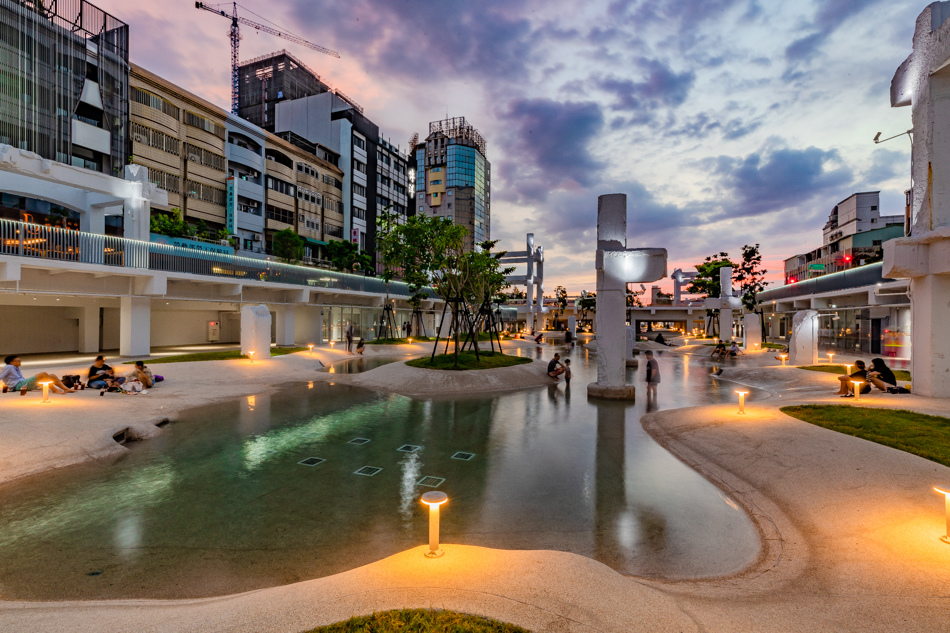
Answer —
434 499
742 395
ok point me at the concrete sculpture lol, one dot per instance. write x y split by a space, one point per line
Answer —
725 303
923 82
532 280
255 331
617 266
751 331
680 281
803 348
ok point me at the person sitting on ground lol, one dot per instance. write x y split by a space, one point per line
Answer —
847 387
719 350
13 380
660 339
102 376
539 338
553 370
143 374
881 376
734 350
360 346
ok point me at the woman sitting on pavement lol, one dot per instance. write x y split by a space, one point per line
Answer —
847 386
13 380
143 374
881 376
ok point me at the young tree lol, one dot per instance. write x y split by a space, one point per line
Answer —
750 276
407 250
288 246
707 283
346 256
633 298
587 302
560 300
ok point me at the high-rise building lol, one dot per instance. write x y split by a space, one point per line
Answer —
453 177
65 69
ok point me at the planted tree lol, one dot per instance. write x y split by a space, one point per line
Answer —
288 246
707 283
751 279
587 302
560 301
407 250
346 256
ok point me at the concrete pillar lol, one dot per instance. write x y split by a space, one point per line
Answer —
285 325
255 331
89 329
752 331
572 326
92 221
135 326
725 311
803 349
631 345
930 340
318 334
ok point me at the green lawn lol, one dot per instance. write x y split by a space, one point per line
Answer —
772 346
925 435
467 361
419 621
227 355
900 374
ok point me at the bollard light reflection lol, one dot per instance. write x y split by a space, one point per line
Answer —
434 499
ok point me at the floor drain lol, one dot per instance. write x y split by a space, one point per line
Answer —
311 461
465 457
359 441
431 482
368 471
408 448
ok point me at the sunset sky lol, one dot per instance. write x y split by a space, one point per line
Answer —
726 122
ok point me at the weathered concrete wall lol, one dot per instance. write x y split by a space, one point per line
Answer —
256 331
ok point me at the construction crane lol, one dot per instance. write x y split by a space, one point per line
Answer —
236 41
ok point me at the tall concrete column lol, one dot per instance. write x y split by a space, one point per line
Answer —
803 349
318 335
135 326
930 335
255 331
89 329
285 325
752 331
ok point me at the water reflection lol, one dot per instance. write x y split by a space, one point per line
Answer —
222 503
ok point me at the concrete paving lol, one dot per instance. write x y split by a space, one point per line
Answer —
850 531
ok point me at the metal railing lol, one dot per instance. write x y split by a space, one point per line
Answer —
858 277
65 245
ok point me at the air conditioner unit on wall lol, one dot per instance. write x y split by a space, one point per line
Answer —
194 158
258 237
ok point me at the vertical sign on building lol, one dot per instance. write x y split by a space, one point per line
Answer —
230 206
355 236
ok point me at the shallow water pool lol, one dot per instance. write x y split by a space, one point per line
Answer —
228 498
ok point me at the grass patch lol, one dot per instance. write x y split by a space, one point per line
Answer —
467 361
232 354
772 346
419 621
925 435
399 341
900 374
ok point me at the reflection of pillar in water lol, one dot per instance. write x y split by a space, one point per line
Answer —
611 498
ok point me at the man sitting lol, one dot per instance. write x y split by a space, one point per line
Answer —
101 376
553 370
143 374
13 380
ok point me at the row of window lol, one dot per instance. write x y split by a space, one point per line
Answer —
204 123
280 186
358 142
333 182
310 171
206 158
280 215
359 190
164 180
206 193
359 166
309 196
335 231
153 101
359 214
154 138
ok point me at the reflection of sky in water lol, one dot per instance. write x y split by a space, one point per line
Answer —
220 496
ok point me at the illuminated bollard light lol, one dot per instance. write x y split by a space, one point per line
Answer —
857 388
46 384
742 395
331 344
434 499
784 358
831 357
250 355
847 370
945 491
310 347
410 341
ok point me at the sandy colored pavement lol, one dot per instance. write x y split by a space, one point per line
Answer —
850 531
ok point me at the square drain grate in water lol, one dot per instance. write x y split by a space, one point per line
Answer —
465 457
368 471
359 441
431 482
408 448
311 461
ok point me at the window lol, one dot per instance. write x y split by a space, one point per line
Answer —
436 169
359 214
873 208
875 242
206 158
278 185
169 182
153 101
154 138
873 220
359 166
450 205
449 192
358 142
359 190
421 196
205 193
421 208
435 182
335 231
333 182
280 215
200 122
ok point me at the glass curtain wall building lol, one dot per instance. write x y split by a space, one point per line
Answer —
64 82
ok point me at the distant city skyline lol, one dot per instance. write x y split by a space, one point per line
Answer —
726 122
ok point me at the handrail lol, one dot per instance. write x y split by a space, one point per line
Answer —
54 243
852 278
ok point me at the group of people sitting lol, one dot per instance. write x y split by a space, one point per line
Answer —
721 352
879 375
100 376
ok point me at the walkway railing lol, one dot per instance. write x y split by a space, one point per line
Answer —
54 243
862 276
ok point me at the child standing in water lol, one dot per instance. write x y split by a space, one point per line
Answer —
567 371
653 374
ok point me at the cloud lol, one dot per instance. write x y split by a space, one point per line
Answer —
548 147
781 178
829 17
660 87
885 165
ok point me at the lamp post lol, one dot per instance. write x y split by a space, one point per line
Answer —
857 388
46 384
945 491
434 499
742 395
